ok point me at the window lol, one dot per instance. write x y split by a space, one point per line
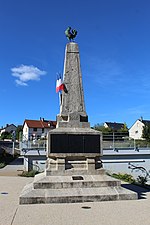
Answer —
42 130
136 131
34 129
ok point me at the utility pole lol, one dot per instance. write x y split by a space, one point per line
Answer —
13 139
113 141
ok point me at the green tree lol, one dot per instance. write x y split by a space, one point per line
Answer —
18 131
124 129
6 135
100 127
146 132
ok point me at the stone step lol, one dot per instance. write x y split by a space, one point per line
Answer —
72 195
75 171
75 181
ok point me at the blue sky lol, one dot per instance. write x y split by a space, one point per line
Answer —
114 43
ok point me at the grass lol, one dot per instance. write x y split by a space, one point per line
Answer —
140 181
125 177
31 173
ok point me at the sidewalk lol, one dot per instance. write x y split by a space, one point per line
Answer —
133 212
13 169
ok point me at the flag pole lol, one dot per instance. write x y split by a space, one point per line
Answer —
59 98
59 88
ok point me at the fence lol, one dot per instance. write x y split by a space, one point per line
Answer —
33 144
109 141
121 140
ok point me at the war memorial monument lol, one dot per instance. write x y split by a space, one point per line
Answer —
74 170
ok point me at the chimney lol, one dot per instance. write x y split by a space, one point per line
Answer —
141 119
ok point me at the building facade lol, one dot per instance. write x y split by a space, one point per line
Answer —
37 129
10 128
136 130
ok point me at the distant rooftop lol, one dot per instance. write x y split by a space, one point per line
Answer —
42 123
115 126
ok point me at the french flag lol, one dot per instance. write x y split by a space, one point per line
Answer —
59 85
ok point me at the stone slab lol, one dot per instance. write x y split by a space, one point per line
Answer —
75 181
63 189
73 172
72 195
74 130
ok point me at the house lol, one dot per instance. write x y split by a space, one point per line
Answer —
37 129
119 131
114 126
10 128
136 130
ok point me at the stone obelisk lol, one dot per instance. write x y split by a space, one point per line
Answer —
72 110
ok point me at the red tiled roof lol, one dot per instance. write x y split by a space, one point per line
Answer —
40 123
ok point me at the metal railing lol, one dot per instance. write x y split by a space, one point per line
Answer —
122 140
109 141
24 143
33 144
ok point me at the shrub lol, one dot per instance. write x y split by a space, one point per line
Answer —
141 180
2 165
31 173
125 177
5 159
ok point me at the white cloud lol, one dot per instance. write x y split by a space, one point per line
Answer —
21 83
26 73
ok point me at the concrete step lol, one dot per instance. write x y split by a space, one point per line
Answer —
75 181
72 195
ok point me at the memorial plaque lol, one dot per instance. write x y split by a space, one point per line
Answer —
74 143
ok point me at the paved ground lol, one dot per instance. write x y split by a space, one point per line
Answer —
13 169
134 212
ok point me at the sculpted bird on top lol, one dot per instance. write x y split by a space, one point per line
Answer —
70 33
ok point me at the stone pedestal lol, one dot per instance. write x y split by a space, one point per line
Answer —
67 165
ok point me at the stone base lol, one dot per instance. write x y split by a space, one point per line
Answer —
74 179
76 188
72 164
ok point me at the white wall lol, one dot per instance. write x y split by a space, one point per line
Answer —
119 162
105 125
136 130
28 132
25 132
